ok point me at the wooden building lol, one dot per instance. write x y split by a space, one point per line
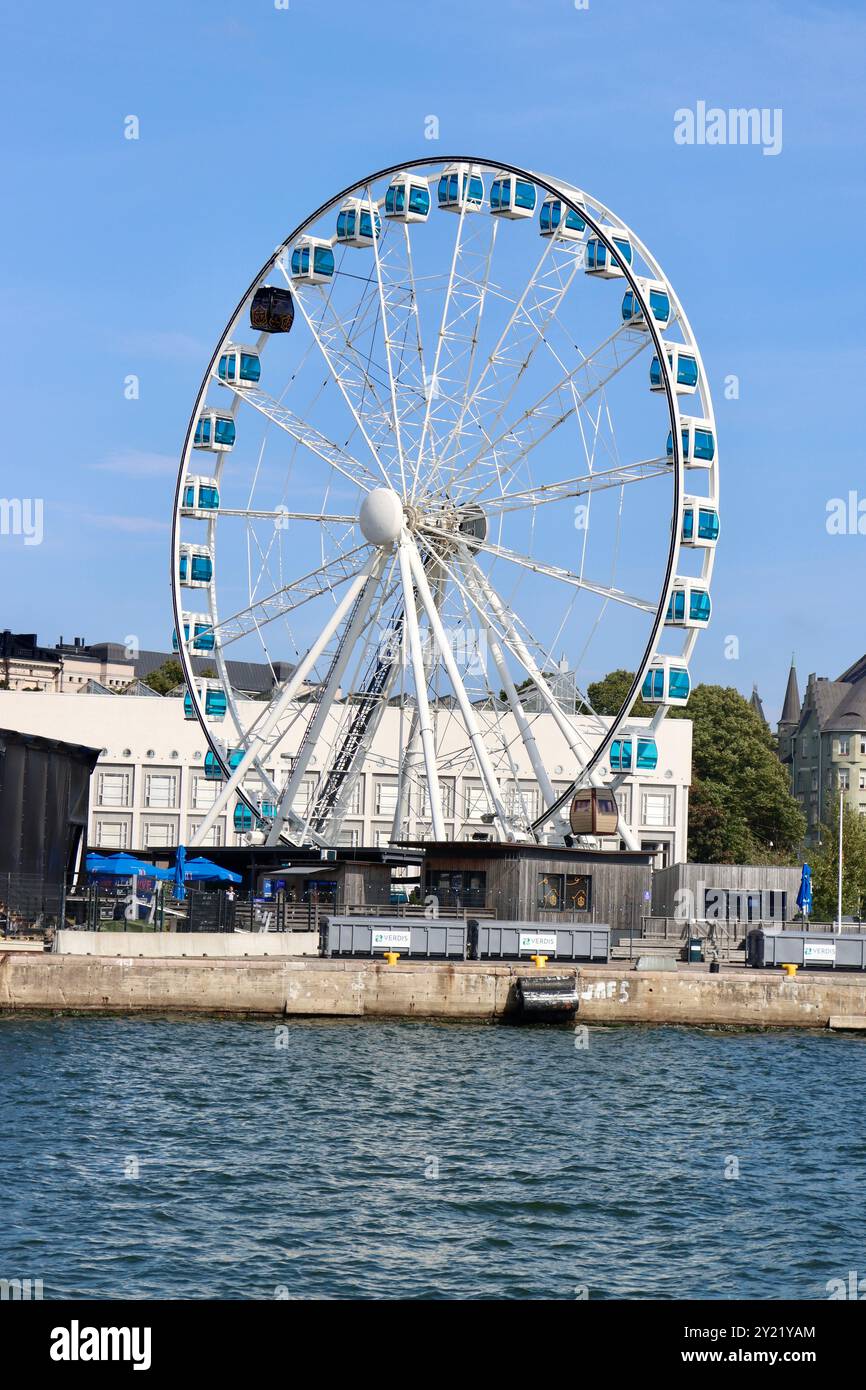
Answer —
538 883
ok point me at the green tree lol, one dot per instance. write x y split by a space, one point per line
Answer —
606 696
165 677
824 862
746 813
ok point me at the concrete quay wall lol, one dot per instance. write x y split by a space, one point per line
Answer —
478 991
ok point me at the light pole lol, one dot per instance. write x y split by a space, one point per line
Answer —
839 883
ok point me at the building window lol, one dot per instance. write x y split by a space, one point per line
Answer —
843 747
160 790
113 788
564 892
458 887
303 797
522 799
477 802
355 803
863 745
204 792
213 837
862 780
112 834
844 779
159 834
446 796
349 838
623 802
656 808
550 892
386 798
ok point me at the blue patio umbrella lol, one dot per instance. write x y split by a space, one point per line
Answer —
179 873
205 871
804 897
123 866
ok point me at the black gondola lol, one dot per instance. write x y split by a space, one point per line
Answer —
272 310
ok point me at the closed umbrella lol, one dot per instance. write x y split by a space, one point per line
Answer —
179 873
804 897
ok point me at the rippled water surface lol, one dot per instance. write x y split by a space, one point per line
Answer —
422 1160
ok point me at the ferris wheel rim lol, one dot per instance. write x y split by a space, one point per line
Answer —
568 193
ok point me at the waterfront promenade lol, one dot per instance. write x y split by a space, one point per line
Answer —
466 990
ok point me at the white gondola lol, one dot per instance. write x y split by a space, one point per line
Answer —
558 219
214 430
697 440
656 295
239 366
198 633
512 196
700 523
358 222
200 497
666 682
408 198
461 188
600 262
689 604
684 367
312 260
195 566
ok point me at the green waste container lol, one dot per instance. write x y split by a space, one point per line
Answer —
696 949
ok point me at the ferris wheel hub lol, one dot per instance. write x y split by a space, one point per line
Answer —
381 516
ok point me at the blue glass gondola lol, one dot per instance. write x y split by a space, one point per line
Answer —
408 198
511 196
666 682
212 770
215 704
244 820
239 366
698 442
195 566
622 754
705 532
214 430
272 310
689 604
659 301
356 221
199 497
198 633
313 260
460 189
684 367
551 222
598 260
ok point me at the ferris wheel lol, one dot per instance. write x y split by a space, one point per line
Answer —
453 458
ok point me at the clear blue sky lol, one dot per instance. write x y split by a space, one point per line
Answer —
124 256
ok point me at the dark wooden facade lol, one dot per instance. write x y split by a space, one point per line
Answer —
519 879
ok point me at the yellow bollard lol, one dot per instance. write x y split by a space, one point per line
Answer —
540 961
392 957
790 970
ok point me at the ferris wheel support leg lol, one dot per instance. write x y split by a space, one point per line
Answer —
413 751
519 713
323 707
288 693
482 759
420 675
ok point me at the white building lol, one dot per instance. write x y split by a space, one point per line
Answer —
149 789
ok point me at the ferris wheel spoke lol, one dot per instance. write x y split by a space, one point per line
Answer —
291 596
526 329
350 372
559 572
284 514
580 486
506 450
317 443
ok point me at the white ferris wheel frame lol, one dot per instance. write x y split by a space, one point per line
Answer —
602 223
